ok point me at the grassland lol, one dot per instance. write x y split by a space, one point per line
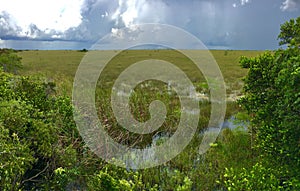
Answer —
233 148
61 65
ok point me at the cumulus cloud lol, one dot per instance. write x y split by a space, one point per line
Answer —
290 5
96 22
8 26
139 11
32 18
217 23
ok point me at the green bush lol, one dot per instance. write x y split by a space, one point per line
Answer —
37 132
9 60
272 97
15 158
259 177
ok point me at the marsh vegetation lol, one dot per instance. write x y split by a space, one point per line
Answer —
41 148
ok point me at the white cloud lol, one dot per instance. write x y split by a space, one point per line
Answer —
127 11
131 12
56 36
240 3
290 5
8 26
116 33
46 15
243 2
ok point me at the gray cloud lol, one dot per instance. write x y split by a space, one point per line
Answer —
8 26
216 22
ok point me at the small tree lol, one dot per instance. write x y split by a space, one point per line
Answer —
272 97
290 32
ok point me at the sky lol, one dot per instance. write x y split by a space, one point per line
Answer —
78 24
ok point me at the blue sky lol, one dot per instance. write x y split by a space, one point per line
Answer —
77 24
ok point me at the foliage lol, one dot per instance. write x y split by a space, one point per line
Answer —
41 148
232 149
261 176
111 177
9 60
33 123
258 178
16 158
290 32
272 90
47 153
272 97
83 50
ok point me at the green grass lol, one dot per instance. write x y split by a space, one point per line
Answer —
51 62
232 149
61 65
